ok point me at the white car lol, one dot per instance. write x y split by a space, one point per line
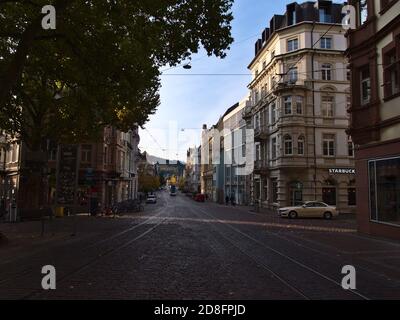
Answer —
151 199
313 209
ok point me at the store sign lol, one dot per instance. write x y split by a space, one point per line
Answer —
67 174
342 171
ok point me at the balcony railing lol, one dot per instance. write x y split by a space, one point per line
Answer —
261 132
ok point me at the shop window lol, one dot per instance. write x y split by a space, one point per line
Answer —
329 195
296 193
384 177
352 196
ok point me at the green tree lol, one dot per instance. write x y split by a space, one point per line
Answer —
100 66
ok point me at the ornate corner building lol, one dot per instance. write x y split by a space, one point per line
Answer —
300 94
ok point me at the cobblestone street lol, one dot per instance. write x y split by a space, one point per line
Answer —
180 249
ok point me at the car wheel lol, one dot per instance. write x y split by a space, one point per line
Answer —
293 215
328 216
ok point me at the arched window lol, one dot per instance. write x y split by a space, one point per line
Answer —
288 143
301 146
326 72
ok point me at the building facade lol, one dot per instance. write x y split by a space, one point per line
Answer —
236 179
107 174
299 98
374 55
193 171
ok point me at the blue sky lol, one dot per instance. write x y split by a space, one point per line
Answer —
189 101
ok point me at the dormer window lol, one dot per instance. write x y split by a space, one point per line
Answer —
292 18
325 16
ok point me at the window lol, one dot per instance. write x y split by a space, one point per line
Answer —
362 11
350 147
327 106
288 142
351 197
300 146
287 101
257 121
296 193
326 43
365 85
326 72
299 105
105 160
293 75
324 16
391 74
292 17
53 154
258 152
275 191
273 113
274 149
329 196
292 45
15 153
348 73
86 154
384 177
329 145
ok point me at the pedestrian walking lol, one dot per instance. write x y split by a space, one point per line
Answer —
227 200
233 201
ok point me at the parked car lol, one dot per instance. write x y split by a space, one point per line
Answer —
200 198
310 210
151 199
